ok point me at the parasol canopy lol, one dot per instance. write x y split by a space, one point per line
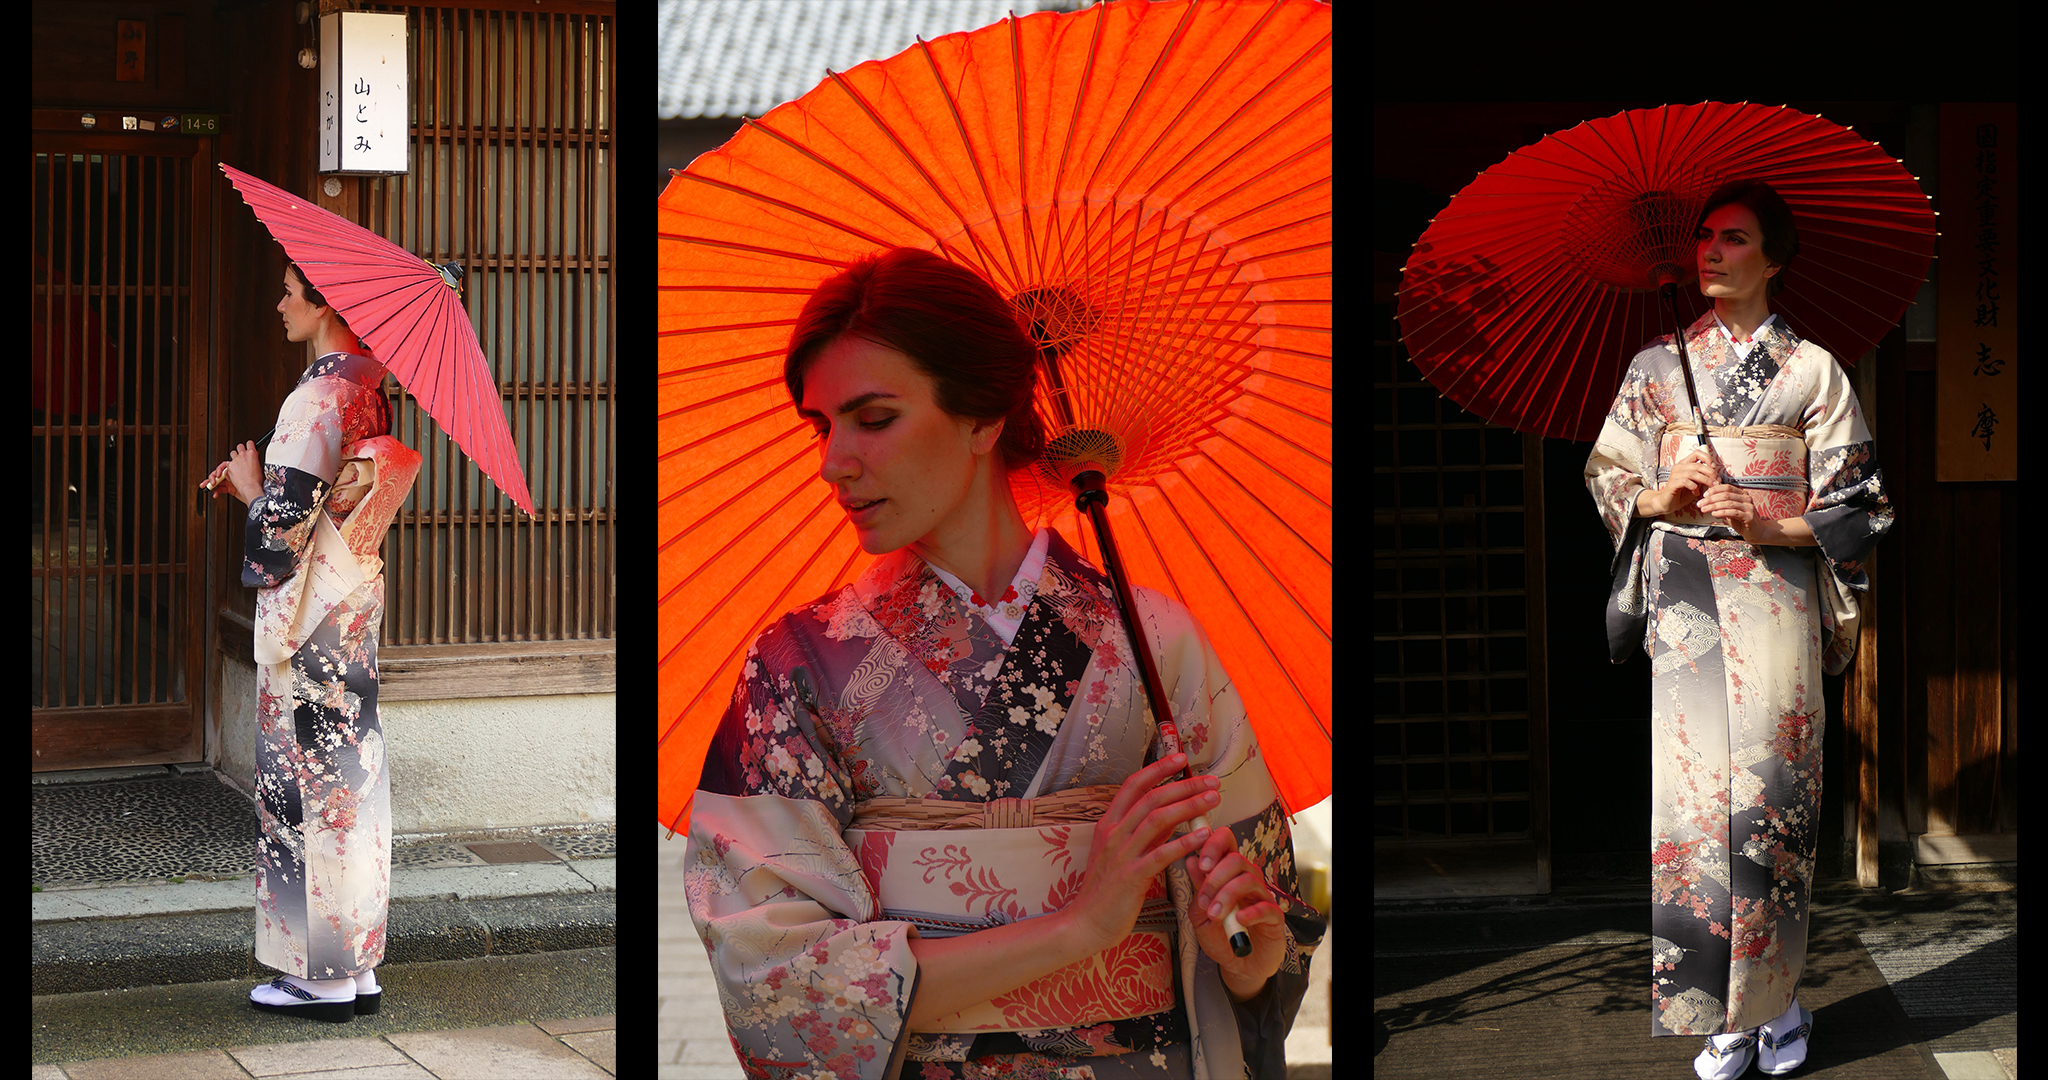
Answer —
1528 294
410 313
1149 184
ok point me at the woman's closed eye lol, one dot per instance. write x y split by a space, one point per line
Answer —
819 431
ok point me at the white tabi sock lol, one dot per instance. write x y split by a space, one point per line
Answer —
327 988
1789 1020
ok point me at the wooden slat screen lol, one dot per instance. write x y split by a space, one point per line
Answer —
1452 709
111 570
511 176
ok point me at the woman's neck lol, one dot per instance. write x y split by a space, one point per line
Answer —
1742 317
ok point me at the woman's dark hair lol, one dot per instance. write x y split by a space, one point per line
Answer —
952 324
314 298
1781 236
307 290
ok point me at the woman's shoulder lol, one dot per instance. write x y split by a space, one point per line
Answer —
353 368
337 380
812 619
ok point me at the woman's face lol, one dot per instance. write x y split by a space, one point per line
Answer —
882 436
301 319
1731 255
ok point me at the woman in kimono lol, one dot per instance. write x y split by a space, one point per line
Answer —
928 842
329 484
1736 570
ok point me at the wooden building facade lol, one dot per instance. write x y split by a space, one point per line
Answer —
157 347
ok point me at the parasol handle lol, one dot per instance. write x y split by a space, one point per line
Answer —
1090 496
1692 392
262 441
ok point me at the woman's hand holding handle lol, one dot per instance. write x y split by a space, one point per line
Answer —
1691 476
1134 843
241 473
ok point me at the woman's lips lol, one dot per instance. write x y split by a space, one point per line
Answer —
867 513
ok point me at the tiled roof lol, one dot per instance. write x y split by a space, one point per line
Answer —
744 57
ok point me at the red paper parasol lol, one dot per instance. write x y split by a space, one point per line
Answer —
1527 296
409 313
1150 184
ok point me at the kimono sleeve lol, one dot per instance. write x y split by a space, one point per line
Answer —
1849 511
1622 465
298 471
1220 742
807 979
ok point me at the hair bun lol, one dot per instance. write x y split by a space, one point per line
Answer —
1057 318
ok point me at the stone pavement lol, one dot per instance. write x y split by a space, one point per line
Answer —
1918 984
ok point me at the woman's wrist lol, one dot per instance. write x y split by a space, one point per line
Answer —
1783 532
968 969
1650 503
1243 989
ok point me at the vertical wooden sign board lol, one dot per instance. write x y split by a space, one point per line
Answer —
1977 352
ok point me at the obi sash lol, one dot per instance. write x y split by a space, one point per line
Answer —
1768 460
952 868
340 562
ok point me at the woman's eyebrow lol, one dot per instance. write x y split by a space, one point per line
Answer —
1725 232
849 404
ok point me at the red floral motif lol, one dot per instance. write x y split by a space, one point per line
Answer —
981 884
1060 841
1736 566
1063 891
1130 978
873 854
943 861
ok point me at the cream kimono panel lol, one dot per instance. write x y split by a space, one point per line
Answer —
890 687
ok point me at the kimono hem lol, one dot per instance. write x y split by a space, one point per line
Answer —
893 688
1738 636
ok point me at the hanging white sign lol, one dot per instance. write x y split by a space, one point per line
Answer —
363 94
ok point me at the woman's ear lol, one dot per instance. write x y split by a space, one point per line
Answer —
986 435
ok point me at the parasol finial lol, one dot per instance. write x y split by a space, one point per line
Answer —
451 273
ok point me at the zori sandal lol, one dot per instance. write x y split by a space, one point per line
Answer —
1725 1062
1780 1052
309 1004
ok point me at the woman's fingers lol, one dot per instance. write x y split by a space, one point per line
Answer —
1140 784
1232 883
1178 803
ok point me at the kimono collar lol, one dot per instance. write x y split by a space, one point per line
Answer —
899 583
354 367
1009 607
902 569
1742 347
1700 335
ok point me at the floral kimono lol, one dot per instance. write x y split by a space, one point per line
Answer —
332 480
1738 637
907 688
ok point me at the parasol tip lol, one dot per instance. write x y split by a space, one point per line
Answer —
451 274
